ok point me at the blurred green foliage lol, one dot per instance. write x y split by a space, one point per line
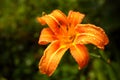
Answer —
19 34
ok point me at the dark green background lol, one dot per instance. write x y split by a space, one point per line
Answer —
19 34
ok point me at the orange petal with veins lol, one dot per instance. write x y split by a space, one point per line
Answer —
80 54
46 36
50 21
51 58
60 17
75 18
88 33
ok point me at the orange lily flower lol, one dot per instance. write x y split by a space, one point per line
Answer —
66 32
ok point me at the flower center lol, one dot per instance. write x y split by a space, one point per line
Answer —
71 38
67 39
68 36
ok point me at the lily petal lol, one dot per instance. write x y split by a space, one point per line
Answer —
88 33
46 36
50 21
75 18
60 17
80 54
51 58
